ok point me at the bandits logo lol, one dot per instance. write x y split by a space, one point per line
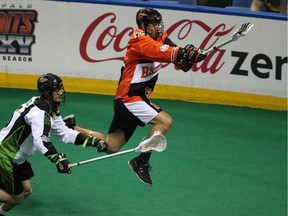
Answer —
17 33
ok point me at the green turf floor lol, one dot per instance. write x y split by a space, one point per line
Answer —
220 161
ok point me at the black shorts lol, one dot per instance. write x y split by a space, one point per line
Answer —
127 116
12 175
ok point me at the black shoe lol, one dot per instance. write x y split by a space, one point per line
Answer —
142 170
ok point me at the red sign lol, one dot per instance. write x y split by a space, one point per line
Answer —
182 28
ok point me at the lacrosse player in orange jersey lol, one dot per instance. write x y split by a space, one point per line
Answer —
147 48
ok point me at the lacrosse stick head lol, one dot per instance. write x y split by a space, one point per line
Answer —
242 31
157 142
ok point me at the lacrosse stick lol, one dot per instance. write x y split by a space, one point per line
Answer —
156 142
236 35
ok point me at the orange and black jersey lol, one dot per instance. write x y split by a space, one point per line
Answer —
142 62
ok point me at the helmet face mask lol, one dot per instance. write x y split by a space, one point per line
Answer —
154 20
50 88
149 16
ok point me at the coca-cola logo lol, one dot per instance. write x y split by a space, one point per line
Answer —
108 37
111 36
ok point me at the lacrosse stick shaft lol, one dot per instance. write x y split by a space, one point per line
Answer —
217 47
240 33
101 158
158 145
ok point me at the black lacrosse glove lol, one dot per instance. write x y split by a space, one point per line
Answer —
100 144
183 61
194 54
70 121
187 56
184 65
61 162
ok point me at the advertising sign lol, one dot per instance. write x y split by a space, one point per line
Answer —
84 40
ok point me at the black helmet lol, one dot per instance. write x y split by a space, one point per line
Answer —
49 83
148 15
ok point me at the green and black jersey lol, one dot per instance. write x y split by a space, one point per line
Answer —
29 129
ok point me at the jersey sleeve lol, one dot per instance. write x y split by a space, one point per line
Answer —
62 132
144 47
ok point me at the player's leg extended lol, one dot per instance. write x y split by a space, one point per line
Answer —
149 113
27 190
114 140
16 200
8 198
11 191
162 122
88 132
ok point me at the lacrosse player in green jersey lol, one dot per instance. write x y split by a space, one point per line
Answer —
28 131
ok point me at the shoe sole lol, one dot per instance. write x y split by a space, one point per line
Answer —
137 175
